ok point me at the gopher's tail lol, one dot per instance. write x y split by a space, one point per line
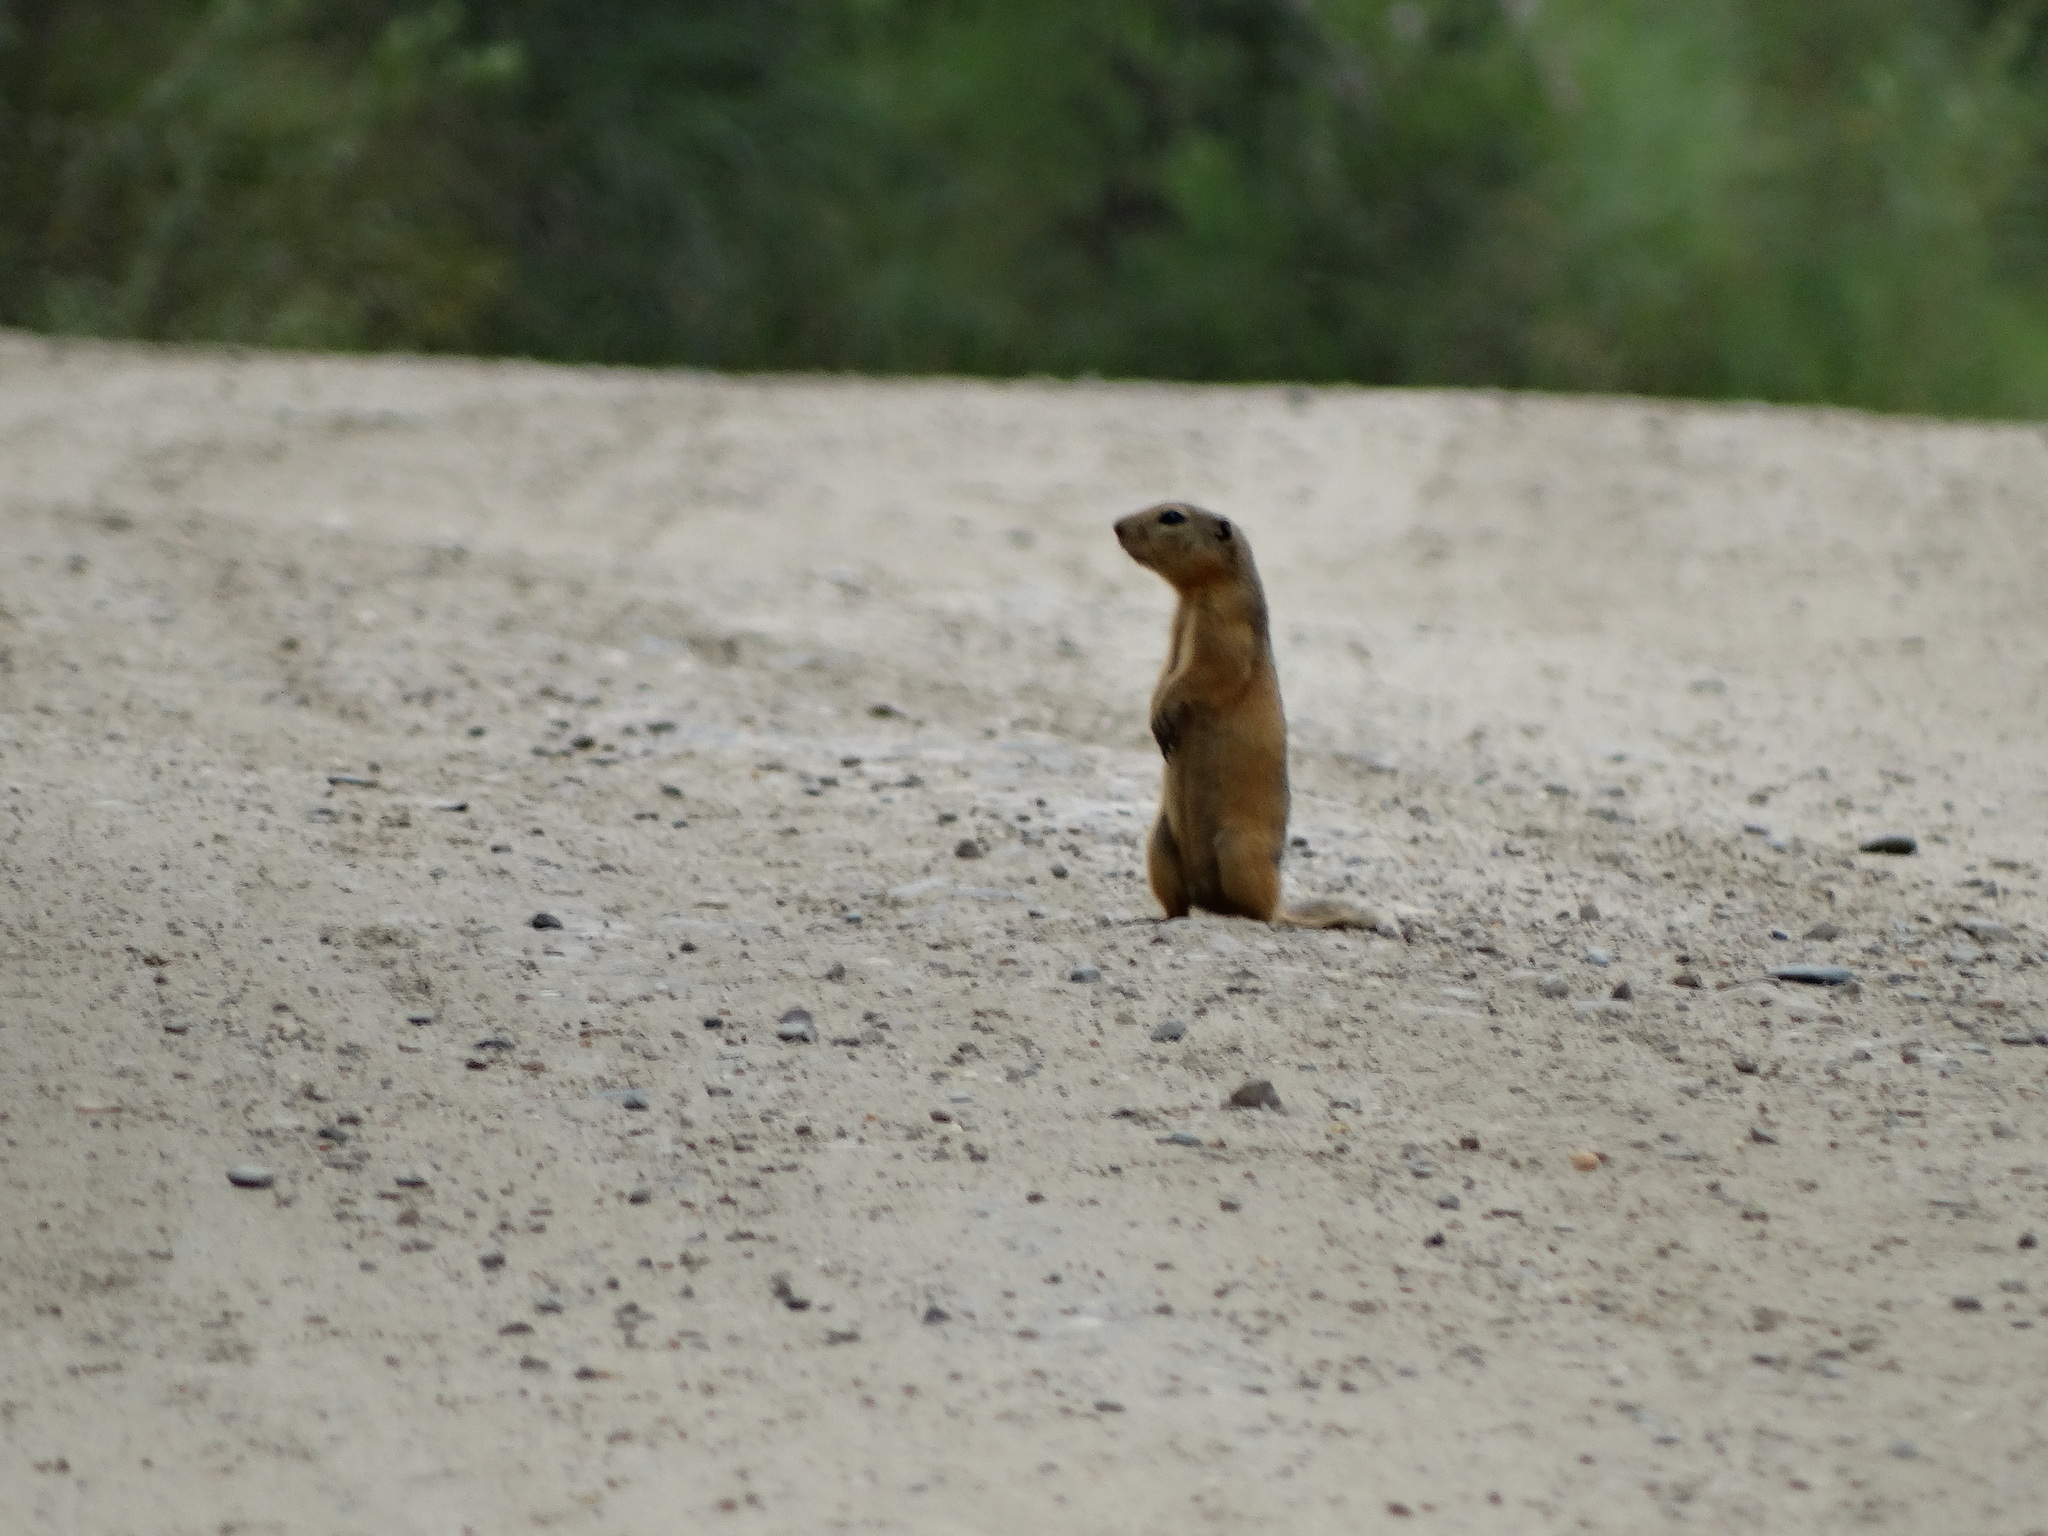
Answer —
1339 914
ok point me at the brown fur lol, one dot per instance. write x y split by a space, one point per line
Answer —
1217 717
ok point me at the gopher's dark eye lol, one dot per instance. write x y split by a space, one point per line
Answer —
1172 518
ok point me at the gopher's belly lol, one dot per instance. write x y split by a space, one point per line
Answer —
1218 789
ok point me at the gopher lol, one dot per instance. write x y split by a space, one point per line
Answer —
1217 718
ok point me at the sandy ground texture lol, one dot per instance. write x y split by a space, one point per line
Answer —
321 680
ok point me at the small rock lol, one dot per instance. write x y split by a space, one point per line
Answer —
1059 871
1762 1137
532 1363
175 1026
249 1176
784 1292
640 1196
2028 1240
1585 1161
1905 1450
835 972
1588 912
1890 842
419 1018
410 1181
1554 986
936 1315
1256 1094
1985 931
491 1261
1169 1031
1823 932
1449 1202
967 848
1814 975
796 1025
1623 993
1779 933
1964 954
546 920
1966 1304
1746 1065
1598 957
626 1098
1105 1405
1084 973
1180 1139
1687 979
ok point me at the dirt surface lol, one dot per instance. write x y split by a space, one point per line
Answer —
321 679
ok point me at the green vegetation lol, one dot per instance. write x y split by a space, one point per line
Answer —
1835 200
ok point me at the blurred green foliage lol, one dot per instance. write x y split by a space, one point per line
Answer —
1834 200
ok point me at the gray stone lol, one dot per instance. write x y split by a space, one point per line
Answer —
1256 1094
625 1098
545 920
1823 932
1179 1139
1554 986
1813 975
1598 957
1985 930
249 1176
796 1025
1084 973
1169 1031
1900 843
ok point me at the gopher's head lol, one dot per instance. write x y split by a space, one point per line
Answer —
1186 545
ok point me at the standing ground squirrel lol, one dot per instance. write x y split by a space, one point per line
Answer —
1217 718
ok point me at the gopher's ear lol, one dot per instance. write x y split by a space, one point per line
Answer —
1223 529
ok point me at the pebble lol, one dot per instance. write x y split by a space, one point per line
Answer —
1449 1202
410 1181
491 1261
937 1315
546 920
1985 931
796 1025
1554 986
1746 1065
249 1176
1585 1161
1890 842
175 1026
1779 933
1762 1137
1814 975
1085 973
1588 912
1598 957
419 1018
1256 1094
640 1196
1823 932
625 1098
1623 993
1965 954
1169 1031
1966 1304
1179 1139
967 848
351 781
